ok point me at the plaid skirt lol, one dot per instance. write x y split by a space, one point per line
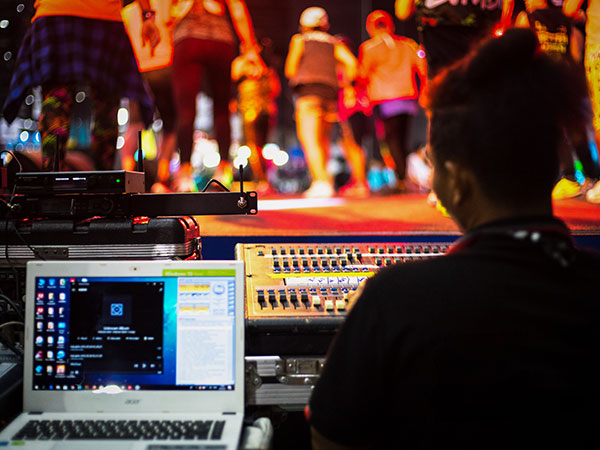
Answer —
66 50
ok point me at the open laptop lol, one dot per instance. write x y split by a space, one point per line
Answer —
132 355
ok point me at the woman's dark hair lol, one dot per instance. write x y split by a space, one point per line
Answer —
502 112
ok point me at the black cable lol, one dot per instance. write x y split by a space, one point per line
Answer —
216 182
11 323
33 250
8 213
8 344
4 340
13 304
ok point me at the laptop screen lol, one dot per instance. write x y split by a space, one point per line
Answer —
170 332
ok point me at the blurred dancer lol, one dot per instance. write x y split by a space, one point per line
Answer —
560 39
98 55
155 65
390 66
352 106
311 67
592 68
205 46
257 94
449 29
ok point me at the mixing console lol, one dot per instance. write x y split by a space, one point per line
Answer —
302 289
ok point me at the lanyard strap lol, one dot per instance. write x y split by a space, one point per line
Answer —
553 240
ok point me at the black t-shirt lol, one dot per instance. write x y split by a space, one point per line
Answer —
553 30
494 344
449 29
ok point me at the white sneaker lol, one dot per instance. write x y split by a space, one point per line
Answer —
593 195
432 199
319 189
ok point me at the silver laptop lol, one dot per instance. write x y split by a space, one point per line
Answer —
132 355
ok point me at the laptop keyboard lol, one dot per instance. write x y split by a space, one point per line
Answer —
120 429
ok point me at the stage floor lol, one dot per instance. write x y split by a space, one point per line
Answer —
377 218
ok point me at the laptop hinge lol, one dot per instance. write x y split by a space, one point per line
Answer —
35 413
229 413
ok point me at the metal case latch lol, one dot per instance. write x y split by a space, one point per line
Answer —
299 371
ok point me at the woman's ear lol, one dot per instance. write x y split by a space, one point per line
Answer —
460 184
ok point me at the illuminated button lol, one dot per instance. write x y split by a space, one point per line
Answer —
408 249
282 250
275 262
285 263
273 251
319 251
295 262
398 249
334 262
304 262
427 249
435 249
261 253
314 262
371 249
340 305
417 250
380 250
311 251
388 261
324 262
390 249
329 250
301 251
338 250
260 297
316 300
378 261
292 251
329 305
343 262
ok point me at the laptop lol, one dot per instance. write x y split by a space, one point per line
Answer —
132 355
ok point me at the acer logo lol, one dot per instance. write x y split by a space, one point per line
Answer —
132 402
